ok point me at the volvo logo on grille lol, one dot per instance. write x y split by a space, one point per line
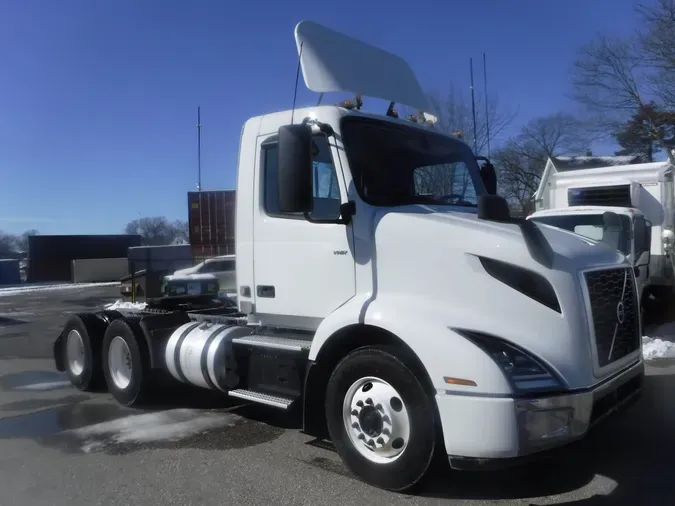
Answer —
620 312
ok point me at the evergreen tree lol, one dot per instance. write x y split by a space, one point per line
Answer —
647 132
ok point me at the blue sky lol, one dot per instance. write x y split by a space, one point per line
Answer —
98 98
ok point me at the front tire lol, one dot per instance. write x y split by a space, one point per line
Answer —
381 419
125 362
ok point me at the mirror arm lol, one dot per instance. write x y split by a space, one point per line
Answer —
346 212
338 221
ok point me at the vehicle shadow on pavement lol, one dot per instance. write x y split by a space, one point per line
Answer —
180 396
636 450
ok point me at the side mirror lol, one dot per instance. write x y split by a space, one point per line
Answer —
493 208
295 169
488 175
610 220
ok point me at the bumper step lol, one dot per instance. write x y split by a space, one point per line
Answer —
275 401
274 342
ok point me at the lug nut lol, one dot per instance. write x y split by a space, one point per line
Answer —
380 441
379 407
361 436
359 404
355 425
355 413
369 401
386 432
371 442
386 419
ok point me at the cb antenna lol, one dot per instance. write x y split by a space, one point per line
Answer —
473 106
297 77
487 116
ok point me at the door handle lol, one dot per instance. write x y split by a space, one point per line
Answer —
266 291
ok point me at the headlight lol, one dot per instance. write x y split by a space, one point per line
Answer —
524 372
527 282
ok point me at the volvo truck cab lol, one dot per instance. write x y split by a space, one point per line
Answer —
386 294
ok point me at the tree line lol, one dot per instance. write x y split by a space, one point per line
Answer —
154 231
12 244
626 87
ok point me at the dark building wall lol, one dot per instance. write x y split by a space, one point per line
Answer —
50 256
10 273
160 258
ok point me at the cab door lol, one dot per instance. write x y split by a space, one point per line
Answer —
303 271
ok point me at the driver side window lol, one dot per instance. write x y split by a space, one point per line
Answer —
326 188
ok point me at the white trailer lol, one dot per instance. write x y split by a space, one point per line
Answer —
621 181
386 294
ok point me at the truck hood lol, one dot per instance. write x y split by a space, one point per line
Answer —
462 232
430 258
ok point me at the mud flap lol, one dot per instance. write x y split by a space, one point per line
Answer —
58 353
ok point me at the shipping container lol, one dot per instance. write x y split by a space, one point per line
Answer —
211 222
50 257
10 272
200 253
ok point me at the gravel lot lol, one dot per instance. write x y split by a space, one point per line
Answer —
59 446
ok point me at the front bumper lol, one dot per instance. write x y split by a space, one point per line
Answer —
496 431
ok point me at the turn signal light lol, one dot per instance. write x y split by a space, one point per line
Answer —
460 381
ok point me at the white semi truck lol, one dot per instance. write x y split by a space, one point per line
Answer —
384 293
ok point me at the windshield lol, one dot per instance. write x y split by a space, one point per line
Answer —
591 226
396 165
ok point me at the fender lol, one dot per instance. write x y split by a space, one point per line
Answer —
347 314
443 353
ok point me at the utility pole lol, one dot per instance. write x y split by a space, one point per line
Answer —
199 150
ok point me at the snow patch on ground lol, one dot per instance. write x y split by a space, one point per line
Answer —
659 342
30 288
121 304
169 425
47 385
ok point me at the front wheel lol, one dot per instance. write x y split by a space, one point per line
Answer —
380 419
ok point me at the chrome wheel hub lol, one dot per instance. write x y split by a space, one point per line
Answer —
119 362
75 352
376 420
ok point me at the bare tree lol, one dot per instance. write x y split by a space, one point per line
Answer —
519 175
455 115
522 159
658 48
157 231
612 79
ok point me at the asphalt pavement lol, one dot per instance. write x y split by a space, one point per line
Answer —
59 446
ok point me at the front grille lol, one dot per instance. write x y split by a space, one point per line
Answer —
614 313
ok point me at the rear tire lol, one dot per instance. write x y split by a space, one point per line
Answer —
126 364
381 419
83 339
